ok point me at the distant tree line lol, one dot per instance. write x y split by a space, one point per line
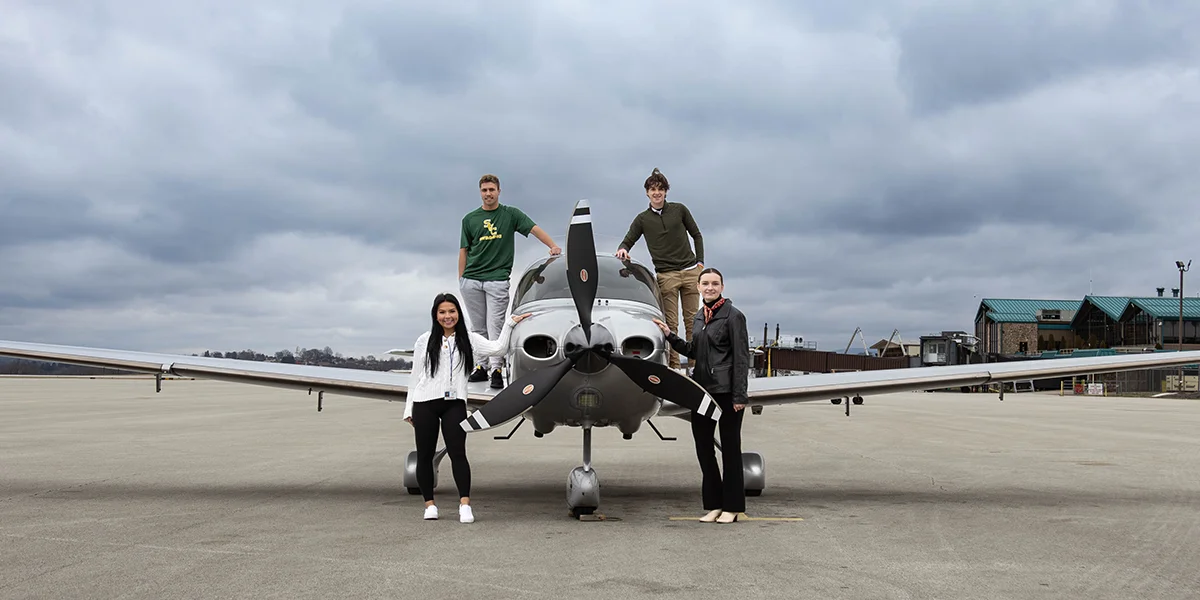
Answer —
13 366
324 357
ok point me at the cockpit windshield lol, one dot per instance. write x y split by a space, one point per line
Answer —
617 280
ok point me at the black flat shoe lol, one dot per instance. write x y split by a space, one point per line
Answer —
479 374
497 380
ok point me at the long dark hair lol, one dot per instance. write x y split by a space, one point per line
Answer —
462 339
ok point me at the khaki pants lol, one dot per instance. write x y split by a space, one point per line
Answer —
679 290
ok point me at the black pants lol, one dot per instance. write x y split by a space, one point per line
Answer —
728 493
426 417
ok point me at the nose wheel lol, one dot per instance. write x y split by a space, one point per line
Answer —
583 485
583 492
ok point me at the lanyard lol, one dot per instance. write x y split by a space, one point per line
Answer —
450 373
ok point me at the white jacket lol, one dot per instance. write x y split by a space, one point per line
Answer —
423 387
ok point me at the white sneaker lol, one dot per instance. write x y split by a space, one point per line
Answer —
431 512
464 514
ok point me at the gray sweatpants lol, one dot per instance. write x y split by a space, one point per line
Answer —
487 306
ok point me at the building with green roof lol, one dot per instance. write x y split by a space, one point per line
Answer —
1024 326
1027 326
1098 324
1156 321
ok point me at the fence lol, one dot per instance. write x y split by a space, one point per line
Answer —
816 361
1142 381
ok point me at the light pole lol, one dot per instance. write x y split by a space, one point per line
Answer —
1182 269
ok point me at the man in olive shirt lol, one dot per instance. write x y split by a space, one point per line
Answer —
666 226
485 260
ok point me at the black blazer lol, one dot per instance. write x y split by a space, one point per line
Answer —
720 351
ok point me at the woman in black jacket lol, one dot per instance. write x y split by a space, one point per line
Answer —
720 351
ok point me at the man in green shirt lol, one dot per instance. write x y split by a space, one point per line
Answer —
485 261
667 226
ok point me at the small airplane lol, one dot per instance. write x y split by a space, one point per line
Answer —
591 356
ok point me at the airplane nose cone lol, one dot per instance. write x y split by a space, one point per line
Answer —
602 339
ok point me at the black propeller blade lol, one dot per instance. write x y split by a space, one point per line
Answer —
665 383
519 396
581 265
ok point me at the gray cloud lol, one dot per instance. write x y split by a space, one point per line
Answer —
983 51
179 177
944 204
438 48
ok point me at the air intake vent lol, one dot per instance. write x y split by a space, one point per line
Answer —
540 346
637 347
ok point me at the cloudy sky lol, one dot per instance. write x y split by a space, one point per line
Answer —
212 175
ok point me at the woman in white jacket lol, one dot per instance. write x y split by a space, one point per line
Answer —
442 360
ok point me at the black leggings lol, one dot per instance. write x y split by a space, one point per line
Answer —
426 417
727 493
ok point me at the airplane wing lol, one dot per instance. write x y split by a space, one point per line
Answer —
826 386
382 385
762 390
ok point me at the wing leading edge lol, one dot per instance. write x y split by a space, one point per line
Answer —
381 385
824 386
770 390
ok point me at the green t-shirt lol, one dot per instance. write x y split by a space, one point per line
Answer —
488 237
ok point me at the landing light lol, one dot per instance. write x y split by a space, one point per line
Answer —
587 398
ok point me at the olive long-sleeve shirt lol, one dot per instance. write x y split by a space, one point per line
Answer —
667 237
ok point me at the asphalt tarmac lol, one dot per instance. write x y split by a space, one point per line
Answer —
215 490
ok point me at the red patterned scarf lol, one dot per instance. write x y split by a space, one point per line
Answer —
709 311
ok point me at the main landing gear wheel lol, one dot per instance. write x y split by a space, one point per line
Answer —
410 471
754 473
